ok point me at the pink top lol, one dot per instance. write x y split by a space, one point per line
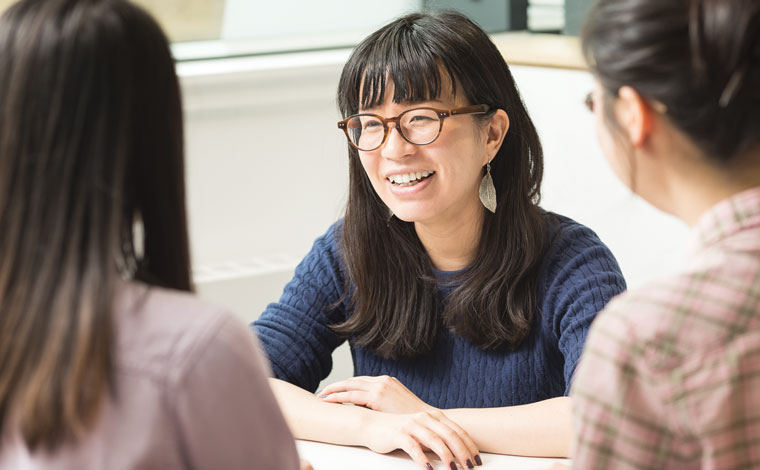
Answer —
192 392
670 378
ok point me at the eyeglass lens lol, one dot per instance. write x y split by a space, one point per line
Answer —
418 126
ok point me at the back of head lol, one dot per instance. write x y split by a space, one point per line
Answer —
90 138
700 58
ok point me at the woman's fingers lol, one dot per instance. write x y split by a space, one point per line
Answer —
381 393
357 397
355 383
415 432
412 447
445 441
473 449
429 439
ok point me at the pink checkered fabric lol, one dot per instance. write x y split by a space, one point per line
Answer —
670 375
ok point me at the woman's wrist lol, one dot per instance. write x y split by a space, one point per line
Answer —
363 425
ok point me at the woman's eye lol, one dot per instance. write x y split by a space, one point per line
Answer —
372 124
421 119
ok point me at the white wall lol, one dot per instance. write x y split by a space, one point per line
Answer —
267 173
245 19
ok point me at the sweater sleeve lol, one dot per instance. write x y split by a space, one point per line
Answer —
580 277
295 332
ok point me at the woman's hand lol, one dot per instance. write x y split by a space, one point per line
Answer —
416 432
383 393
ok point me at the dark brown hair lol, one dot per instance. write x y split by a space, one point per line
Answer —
700 58
393 293
90 137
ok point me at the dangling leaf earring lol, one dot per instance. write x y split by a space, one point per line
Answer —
487 191
132 249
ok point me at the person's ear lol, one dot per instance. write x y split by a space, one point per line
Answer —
634 115
496 130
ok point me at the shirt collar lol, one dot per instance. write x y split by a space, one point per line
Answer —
728 217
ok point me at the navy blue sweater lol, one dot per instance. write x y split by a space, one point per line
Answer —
578 278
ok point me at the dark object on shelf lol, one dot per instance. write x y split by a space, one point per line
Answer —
491 15
575 15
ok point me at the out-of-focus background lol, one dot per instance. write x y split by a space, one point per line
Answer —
266 164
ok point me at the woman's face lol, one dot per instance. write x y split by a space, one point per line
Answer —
453 165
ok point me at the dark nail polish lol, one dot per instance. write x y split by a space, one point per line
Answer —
428 466
453 466
469 464
478 462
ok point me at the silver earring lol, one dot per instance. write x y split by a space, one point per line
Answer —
132 249
487 191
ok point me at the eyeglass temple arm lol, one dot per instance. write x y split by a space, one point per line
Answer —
476 109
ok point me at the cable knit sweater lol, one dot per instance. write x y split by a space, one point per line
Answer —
577 279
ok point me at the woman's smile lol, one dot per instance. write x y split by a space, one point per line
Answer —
409 179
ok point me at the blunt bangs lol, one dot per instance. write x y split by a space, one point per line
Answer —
397 55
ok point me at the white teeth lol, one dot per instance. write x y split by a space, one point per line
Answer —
409 178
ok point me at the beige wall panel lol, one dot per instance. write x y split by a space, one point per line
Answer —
187 20
183 20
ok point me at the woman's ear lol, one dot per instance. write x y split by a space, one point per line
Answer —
634 115
496 130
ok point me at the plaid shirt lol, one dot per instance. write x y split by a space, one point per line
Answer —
670 377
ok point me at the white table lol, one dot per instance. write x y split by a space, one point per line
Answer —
331 457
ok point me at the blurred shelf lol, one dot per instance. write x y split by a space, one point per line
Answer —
542 50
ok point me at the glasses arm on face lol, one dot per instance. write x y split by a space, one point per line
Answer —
475 109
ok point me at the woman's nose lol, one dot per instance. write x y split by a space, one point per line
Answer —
395 145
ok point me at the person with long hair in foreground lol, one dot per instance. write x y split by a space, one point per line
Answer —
106 359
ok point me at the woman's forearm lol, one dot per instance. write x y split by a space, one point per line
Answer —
542 429
312 419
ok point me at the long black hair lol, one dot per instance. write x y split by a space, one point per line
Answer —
700 58
393 292
90 139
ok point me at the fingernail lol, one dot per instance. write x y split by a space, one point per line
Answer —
478 461
453 466
428 466
469 464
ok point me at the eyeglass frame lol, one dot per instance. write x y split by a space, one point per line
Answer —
441 113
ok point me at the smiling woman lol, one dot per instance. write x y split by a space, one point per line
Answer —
465 304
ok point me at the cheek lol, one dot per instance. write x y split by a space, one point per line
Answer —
370 166
613 151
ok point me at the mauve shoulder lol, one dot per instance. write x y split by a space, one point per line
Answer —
159 329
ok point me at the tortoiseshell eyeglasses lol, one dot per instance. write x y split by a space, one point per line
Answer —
418 126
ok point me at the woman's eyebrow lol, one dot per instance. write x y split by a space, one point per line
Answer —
409 104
